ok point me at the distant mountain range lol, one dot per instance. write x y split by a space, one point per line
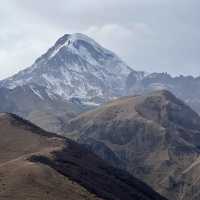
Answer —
82 74
186 88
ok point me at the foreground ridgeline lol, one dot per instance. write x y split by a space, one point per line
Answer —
38 165
155 137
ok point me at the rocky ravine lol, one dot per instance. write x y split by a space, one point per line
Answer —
156 137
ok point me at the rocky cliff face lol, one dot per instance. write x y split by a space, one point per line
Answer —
155 137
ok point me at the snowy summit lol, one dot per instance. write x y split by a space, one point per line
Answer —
76 66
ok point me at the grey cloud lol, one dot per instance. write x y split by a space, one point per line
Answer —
151 35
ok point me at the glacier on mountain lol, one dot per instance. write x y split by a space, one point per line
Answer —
76 66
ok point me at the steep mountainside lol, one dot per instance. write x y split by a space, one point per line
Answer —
38 165
33 102
75 75
76 66
156 137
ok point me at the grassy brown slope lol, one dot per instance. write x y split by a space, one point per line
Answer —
38 165
26 180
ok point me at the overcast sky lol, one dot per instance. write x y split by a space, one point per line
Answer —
150 35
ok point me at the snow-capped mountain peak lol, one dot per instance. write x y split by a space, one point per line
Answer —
71 42
76 66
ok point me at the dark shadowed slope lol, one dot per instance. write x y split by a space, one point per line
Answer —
35 104
38 165
156 137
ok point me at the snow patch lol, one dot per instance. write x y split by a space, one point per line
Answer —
36 92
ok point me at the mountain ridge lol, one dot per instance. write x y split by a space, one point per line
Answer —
76 66
154 136
35 164
81 74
